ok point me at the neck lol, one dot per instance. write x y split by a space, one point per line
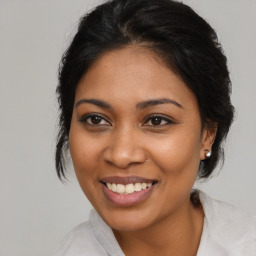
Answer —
177 234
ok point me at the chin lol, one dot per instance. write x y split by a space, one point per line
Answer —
128 226
127 220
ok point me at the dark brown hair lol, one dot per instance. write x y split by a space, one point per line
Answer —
185 41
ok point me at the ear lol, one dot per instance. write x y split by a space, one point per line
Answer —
208 137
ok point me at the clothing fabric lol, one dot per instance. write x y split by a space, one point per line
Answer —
227 231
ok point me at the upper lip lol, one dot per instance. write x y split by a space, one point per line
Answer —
126 180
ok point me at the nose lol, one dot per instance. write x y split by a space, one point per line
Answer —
125 149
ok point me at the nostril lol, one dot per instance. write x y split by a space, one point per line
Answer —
124 157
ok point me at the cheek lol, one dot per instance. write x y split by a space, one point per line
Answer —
177 153
84 153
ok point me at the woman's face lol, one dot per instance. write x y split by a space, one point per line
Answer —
135 139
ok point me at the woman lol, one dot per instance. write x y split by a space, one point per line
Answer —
144 95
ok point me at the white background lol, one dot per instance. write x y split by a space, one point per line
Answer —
36 209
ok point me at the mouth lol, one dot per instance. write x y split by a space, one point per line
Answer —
127 191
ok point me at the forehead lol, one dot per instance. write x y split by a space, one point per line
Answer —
132 74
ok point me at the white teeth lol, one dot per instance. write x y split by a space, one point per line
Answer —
129 188
138 187
144 185
120 188
114 187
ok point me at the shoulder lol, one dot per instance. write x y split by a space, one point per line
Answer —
229 226
80 241
92 238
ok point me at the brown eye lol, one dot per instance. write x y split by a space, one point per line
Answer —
158 121
94 120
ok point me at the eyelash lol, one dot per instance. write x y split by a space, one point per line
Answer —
162 118
167 121
85 119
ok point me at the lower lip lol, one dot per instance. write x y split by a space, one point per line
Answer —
127 199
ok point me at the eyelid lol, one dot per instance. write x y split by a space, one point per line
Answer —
84 118
168 119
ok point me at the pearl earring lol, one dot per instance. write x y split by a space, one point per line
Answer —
209 154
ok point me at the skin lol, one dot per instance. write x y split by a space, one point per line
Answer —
126 142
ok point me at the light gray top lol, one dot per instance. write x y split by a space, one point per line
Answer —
227 231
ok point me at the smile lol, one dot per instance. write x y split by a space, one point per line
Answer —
129 188
127 191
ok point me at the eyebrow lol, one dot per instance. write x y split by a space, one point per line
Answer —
99 103
154 102
139 106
